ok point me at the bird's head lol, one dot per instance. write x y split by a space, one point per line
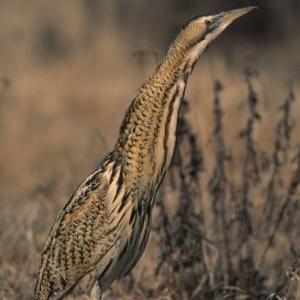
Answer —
201 31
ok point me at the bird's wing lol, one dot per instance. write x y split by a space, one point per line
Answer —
82 233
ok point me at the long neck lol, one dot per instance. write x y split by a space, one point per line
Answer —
148 132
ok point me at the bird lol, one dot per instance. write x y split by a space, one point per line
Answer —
102 231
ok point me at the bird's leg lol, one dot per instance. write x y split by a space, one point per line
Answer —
96 293
130 280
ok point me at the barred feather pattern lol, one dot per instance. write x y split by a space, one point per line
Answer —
102 231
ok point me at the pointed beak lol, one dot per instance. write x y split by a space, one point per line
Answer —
224 19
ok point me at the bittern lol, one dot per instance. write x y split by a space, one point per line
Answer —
102 231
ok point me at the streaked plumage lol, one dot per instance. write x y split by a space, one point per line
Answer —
102 231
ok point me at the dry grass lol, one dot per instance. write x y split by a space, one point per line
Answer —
226 225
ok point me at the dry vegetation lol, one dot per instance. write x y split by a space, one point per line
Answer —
227 222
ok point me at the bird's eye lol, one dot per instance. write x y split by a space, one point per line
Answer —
207 22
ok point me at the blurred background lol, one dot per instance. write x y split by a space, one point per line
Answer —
68 71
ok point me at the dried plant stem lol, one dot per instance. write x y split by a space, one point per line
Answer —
294 184
218 189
